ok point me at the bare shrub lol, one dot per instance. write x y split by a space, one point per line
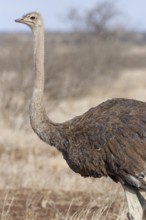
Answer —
100 18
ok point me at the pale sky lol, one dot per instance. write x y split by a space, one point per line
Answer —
53 12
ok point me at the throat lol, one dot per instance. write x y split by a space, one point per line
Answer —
39 60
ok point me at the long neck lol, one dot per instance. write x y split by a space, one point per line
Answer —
41 124
39 60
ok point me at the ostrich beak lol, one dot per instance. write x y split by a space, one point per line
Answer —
20 20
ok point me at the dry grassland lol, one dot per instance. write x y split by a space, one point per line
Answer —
35 182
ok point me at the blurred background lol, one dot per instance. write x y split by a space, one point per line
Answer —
94 50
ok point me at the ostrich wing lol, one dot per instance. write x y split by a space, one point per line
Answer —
110 140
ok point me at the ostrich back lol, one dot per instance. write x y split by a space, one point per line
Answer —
108 140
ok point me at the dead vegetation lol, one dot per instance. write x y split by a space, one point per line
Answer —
44 204
81 72
75 64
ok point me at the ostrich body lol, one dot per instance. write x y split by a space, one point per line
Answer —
107 140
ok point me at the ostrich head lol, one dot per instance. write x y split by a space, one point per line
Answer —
33 20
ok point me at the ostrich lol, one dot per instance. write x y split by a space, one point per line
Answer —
107 140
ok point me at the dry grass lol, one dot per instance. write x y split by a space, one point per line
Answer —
45 204
36 182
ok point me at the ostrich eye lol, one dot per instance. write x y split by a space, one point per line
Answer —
32 18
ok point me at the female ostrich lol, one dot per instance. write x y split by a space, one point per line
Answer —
107 140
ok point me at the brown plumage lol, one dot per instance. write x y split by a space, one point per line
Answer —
107 140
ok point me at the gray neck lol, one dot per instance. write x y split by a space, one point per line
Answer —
41 124
39 60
